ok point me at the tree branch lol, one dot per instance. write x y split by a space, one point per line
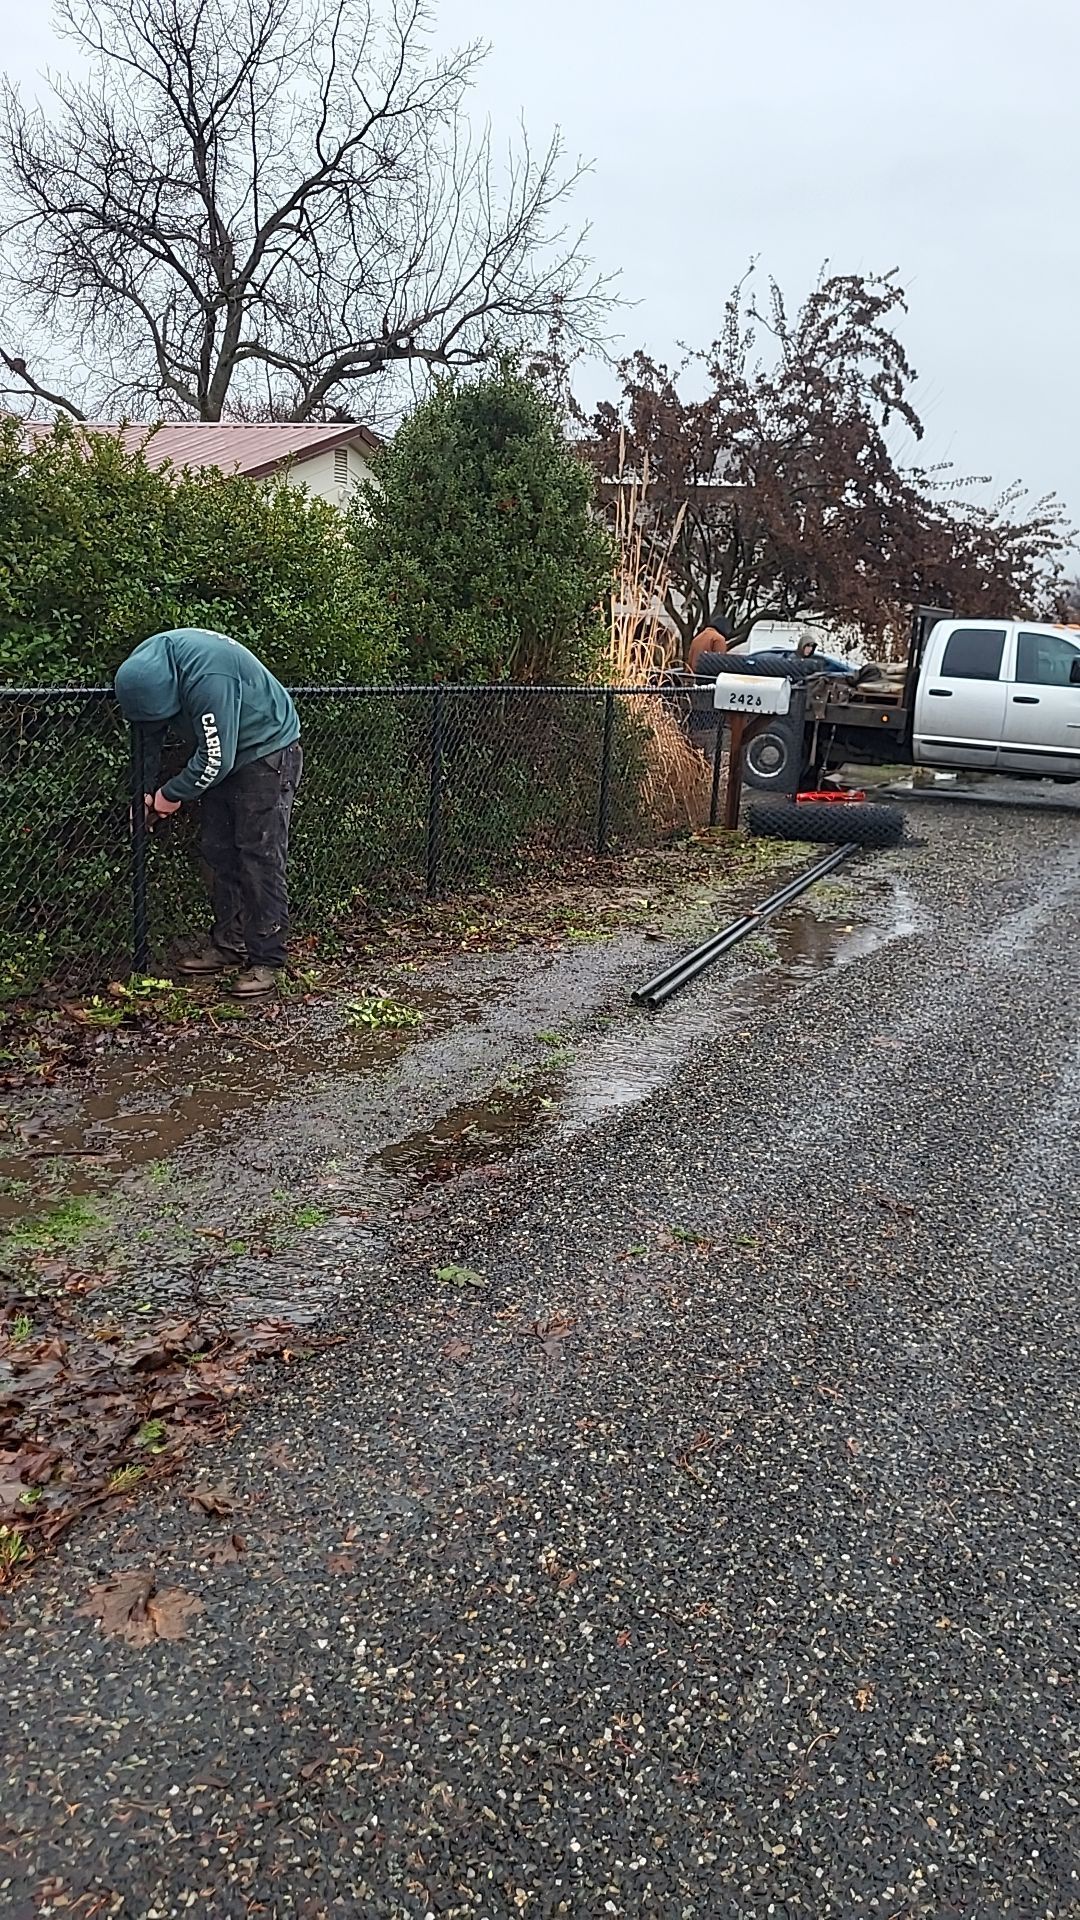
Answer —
16 365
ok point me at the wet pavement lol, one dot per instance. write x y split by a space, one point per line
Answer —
243 1144
686 1523
989 790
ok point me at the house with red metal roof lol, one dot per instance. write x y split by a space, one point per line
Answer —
328 460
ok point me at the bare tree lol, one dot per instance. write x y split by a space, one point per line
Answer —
784 484
249 207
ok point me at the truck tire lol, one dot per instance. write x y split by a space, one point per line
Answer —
769 669
767 666
773 666
833 822
773 760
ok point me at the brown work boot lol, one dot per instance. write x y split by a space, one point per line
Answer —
208 959
254 983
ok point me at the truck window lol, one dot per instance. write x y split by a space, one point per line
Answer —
1045 659
973 653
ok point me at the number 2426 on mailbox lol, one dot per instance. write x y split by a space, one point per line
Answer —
746 693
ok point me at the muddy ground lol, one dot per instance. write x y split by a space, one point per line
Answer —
194 1165
683 1519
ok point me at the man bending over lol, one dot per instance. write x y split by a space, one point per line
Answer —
245 764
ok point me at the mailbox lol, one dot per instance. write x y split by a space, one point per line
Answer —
751 693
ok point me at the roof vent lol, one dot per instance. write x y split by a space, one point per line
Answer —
341 466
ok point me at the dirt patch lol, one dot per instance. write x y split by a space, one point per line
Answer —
662 889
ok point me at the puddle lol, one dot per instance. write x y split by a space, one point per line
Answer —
248 1290
471 1135
640 1051
145 1106
640 1055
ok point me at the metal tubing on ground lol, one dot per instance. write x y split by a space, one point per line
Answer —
729 936
682 971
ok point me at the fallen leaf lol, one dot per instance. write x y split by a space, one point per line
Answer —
130 1607
864 1698
227 1552
455 1276
278 1455
458 1350
215 1498
154 1349
171 1610
341 1563
552 1333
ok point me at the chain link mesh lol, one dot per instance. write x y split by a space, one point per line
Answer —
65 858
406 792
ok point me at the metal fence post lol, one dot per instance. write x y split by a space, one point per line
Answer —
434 819
140 834
603 810
718 756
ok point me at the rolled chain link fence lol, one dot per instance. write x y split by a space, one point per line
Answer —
407 793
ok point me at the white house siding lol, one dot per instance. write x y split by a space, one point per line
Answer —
318 475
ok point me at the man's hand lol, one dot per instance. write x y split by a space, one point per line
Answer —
158 807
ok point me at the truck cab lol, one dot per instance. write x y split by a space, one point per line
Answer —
1002 695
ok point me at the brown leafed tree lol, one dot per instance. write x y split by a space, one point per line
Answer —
785 470
268 207
1064 602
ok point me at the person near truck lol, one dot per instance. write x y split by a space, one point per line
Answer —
243 734
712 640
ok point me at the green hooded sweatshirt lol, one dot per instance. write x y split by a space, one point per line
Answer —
218 695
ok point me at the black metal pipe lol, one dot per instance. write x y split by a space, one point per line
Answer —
434 819
140 834
718 758
603 809
682 971
729 936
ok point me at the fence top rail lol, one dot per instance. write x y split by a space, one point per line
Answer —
590 690
55 693
593 690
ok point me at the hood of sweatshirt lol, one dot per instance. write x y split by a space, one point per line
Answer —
147 685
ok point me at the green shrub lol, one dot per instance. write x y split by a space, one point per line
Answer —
480 559
98 549
480 536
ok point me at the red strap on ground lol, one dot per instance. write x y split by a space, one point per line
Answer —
832 794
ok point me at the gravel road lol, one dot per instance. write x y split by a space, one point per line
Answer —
717 1556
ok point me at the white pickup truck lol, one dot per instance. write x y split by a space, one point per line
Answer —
1003 695
1000 695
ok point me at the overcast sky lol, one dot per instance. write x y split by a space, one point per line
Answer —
937 136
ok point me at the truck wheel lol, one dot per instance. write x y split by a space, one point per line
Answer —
833 822
773 761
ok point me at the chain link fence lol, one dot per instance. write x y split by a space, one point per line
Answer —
407 792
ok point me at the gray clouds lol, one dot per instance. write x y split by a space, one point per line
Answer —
937 136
